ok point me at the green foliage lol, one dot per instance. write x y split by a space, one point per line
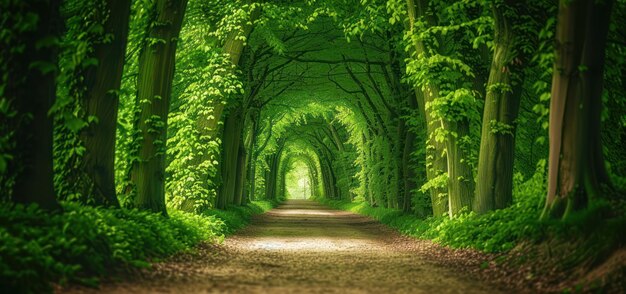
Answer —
496 231
193 145
85 21
81 243
349 135
237 217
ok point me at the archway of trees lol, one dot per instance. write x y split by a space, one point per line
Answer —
433 108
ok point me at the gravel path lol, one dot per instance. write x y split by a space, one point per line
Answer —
304 247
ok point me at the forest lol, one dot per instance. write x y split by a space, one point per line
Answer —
138 137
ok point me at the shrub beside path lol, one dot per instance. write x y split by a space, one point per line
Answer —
305 247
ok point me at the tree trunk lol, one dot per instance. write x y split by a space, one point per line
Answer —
154 87
326 181
247 177
460 177
436 161
494 186
271 182
313 179
241 175
101 101
230 158
30 77
268 183
252 177
250 142
273 162
282 184
576 164
408 171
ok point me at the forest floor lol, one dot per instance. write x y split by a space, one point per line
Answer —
304 247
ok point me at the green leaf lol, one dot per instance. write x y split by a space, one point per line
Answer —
75 124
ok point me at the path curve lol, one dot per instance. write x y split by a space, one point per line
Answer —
305 247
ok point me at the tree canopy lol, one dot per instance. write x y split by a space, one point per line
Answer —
439 109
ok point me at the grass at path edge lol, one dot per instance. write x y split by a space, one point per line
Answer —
583 244
39 249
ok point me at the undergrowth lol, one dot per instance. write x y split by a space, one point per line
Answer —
237 217
38 248
573 246
501 230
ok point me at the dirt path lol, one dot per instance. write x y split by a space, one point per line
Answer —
304 247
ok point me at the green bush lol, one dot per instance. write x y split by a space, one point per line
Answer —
496 231
599 227
237 217
82 242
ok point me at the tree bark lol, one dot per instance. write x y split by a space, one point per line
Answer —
101 101
408 172
271 178
436 161
31 89
230 158
241 175
576 169
494 186
460 177
154 87
248 168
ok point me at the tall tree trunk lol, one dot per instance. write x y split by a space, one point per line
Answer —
282 184
404 196
268 184
250 142
326 181
252 177
436 161
494 186
408 172
230 158
101 101
460 177
313 178
154 87
241 175
272 181
30 77
576 163
273 162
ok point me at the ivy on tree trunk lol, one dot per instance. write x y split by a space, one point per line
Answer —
154 88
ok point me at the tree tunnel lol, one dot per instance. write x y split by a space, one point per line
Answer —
338 102
338 107
410 105
142 127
